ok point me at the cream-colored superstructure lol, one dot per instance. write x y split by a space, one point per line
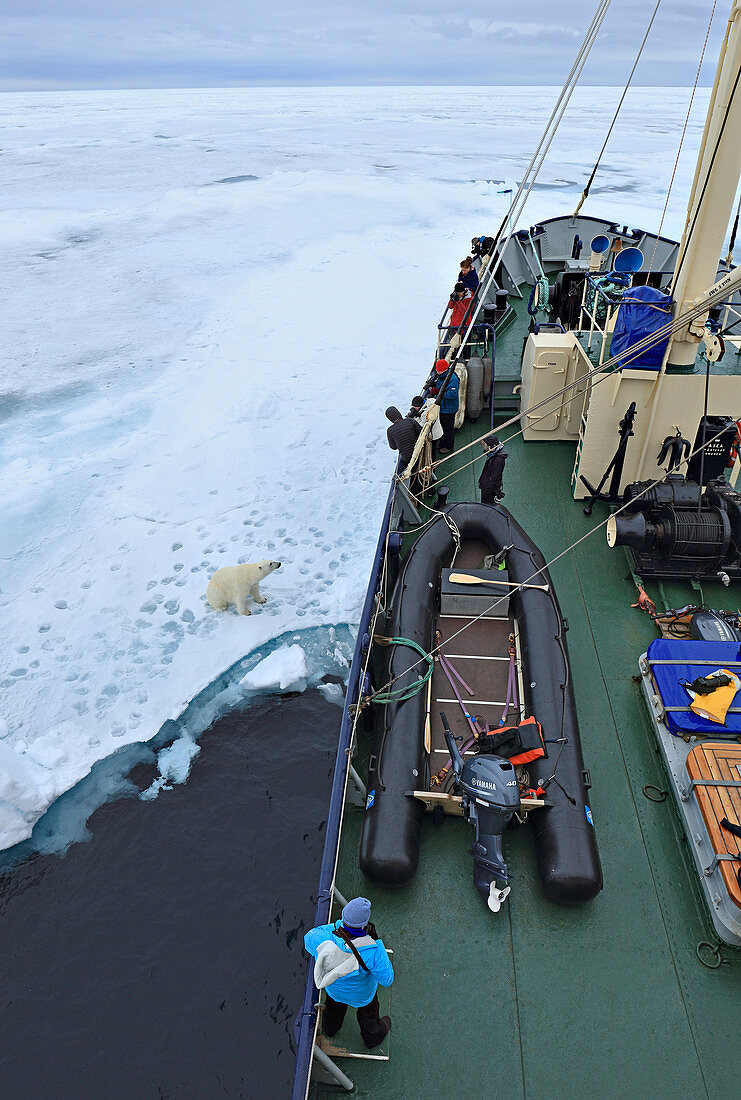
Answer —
552 361
682 398
662 399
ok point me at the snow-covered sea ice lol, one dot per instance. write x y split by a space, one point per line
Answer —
210 297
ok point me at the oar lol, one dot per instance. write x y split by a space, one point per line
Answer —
465 578
428 736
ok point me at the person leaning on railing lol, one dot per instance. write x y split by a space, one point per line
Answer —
351 962
468 275
448 405
458 305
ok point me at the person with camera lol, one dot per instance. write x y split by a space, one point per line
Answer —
468 275
459 302
350 963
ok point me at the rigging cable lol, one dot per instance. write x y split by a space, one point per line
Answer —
698 205
536 163
636 349
732 242
681 139
538 573
585 192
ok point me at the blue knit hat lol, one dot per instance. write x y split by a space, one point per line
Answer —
356 913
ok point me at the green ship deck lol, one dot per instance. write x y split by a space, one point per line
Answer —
605 1000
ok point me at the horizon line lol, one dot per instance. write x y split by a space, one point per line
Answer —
276 85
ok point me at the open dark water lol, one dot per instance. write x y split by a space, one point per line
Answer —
164 958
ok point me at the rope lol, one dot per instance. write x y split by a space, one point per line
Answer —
681 139
585 192
400 695
731 243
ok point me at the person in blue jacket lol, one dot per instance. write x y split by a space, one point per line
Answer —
351 962
448 405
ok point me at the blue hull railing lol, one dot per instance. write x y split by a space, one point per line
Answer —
306 1023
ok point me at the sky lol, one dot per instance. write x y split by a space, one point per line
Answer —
71 44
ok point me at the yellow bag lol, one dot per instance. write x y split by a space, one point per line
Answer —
715 706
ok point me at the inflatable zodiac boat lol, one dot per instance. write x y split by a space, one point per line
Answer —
481 639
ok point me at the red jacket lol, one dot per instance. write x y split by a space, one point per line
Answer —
459 308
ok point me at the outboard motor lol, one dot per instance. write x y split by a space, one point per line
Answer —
491 795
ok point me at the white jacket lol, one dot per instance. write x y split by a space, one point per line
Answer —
333 962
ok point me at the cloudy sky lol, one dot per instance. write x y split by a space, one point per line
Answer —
199 43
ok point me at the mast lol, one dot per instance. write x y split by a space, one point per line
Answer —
713 193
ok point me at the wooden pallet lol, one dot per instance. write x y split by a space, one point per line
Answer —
720 761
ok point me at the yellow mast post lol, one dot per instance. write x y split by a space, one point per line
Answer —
713 194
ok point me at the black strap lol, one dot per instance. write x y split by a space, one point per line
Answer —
343 935
729 825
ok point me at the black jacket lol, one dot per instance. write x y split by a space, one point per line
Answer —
490 482
402 436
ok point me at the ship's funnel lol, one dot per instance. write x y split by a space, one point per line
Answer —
599 246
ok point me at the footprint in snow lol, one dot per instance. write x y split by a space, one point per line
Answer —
172 607
176 546
178 566
61 605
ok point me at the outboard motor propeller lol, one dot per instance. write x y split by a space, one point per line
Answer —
491 795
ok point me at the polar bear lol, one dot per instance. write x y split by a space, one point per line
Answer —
234 583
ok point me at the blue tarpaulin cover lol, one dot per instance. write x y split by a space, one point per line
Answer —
642 312
672 694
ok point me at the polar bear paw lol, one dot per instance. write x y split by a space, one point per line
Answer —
261 599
